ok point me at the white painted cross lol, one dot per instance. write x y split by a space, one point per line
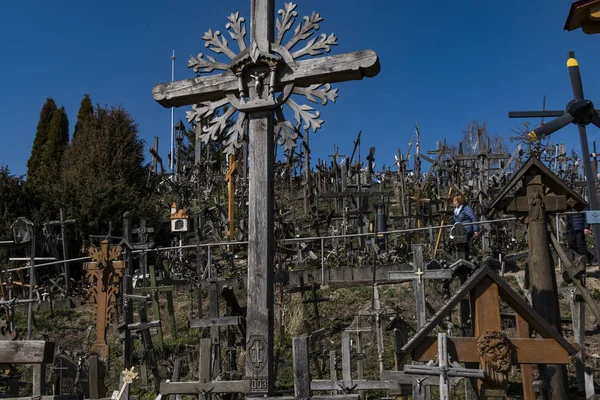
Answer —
255 84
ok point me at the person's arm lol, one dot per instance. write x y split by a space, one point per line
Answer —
473 218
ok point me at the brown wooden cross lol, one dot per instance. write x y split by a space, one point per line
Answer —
103 274
486 289
256 83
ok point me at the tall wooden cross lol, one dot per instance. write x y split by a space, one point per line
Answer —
255 84
418 276
230 188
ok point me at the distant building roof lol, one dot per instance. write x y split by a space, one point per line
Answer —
584 14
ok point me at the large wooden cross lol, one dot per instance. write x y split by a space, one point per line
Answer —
256 84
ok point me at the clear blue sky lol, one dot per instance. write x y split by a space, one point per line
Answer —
443 64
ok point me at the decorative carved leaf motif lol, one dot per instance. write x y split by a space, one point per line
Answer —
288 17
235 139
287 134
315 48
204 110
199 64
303 112
325 94
217 43
237 29
304 29
232 136
216 126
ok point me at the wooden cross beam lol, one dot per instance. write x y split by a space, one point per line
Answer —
443 369
418 276
256 83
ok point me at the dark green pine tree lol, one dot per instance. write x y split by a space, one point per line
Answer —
56 143
41 135
86 110
104 173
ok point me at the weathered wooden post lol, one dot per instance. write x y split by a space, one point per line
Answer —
65 245
256 83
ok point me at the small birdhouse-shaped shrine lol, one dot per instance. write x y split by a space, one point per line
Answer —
22 230
179 219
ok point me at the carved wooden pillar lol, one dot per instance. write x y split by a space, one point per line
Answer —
544 293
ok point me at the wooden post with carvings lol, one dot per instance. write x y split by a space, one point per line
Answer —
541 193
103 274
255 84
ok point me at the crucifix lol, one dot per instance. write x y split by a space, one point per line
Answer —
418 275
255 84
233 165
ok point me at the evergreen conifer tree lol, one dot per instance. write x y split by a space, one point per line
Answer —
86 110
41 135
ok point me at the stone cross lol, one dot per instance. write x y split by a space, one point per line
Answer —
256 84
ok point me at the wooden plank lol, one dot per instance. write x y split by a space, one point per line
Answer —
526 369
487 307
219 321
332 69
301 367
198 387
464 349
26 352
403 379
57 397
361 384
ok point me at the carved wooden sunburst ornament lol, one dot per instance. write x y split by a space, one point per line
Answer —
264 80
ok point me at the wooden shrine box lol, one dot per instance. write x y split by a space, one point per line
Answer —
486 289
179 219
584 14
22 230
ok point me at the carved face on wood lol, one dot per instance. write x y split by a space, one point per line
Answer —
495 353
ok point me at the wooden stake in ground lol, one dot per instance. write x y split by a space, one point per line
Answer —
254 86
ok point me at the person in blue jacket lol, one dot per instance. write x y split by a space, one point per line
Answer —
464 214
577 229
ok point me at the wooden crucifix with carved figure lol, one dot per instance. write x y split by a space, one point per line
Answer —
252 89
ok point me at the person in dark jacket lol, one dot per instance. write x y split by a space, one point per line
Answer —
577 229
464 214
